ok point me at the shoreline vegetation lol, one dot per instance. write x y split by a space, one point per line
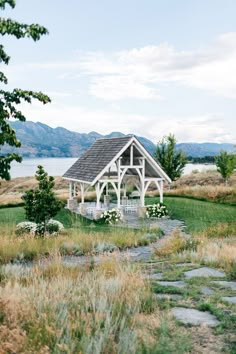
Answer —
208 186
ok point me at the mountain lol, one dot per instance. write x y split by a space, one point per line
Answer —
40 140
204 149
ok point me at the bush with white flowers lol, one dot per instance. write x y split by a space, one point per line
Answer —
53 227
158 210
111 216
26 227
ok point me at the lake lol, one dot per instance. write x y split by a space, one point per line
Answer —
58 166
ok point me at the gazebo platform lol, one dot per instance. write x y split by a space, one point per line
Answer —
90 210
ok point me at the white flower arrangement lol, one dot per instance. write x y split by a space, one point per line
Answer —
111 216
158 210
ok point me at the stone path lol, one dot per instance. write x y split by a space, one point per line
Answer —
176 284
226 284
166 225
194 317
230 299
187 314
204 272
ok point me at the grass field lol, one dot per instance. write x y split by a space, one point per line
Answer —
198 215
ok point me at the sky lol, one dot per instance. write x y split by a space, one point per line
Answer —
146 67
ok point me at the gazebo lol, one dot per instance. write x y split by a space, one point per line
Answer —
113 163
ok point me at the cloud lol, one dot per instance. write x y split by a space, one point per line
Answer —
115 76
139 73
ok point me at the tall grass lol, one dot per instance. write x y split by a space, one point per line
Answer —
61 310
71 242
222 194
73 310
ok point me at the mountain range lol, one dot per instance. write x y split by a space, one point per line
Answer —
40 140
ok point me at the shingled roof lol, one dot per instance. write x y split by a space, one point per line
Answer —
95 159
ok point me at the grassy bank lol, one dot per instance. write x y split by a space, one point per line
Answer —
198 215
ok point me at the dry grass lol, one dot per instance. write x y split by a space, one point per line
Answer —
109 310
215 193
12 191
220 230
171 245
70 242
220 253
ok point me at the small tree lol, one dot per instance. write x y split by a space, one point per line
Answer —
41 203
172 161
226 164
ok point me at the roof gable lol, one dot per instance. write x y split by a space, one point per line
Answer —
92 165
96 159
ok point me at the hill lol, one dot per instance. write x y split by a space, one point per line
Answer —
40 140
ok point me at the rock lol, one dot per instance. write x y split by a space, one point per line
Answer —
169 296
177 284
226 284
194 317
206 291
185 265
230 299
154 276
204 272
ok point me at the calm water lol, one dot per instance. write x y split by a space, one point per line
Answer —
58 166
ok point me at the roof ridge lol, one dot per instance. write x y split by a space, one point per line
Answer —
121 137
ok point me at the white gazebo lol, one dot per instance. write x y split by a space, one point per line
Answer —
113 163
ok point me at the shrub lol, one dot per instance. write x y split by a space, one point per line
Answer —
25 227
71 249
158 210
176 243
54 227
105 247
111 216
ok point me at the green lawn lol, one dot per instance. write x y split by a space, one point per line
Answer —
12 216
196 214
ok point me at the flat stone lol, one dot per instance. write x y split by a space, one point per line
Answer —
226 284
177 284
204 272
185 265
206 291
194 317
169 296
155 276
230 299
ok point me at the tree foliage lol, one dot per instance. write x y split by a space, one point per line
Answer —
226 164
41 203
9 100
172 161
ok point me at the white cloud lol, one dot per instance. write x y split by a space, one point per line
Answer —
212 69
140 72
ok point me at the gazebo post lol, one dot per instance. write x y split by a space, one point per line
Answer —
119 183
161 191
70 189
97 188
82 192
142 184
